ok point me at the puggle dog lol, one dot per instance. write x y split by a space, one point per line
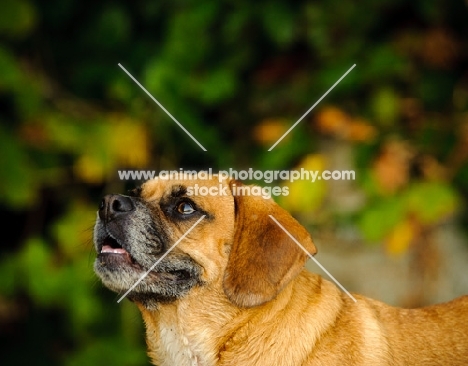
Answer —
234 291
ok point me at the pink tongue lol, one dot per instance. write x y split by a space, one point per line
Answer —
109 249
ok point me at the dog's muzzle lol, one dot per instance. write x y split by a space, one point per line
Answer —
129 239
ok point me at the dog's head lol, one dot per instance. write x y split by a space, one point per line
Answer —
236 246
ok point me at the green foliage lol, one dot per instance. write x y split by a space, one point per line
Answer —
381 217
277 13
385 106
17 18
108 351
442 197
236 75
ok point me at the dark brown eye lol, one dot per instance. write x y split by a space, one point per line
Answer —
185 208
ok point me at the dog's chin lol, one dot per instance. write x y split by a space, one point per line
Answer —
170 280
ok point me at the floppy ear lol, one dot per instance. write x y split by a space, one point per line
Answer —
263 258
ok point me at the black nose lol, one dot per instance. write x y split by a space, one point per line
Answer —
114 205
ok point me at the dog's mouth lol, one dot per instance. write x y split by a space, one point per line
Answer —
112 253
111 245
110 250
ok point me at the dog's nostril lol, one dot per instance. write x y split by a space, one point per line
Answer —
121 204
114 205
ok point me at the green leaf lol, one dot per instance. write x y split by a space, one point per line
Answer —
9 273
385 106
10 74
381 217
111 28
74 229
217 85
431 202
384 64
279 22
108 351
17 18
19 183
42 281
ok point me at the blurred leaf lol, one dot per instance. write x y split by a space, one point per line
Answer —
399 239
17 18
186 26
385 105
278 21
108 351
436 89
431 202
236 22
42 277
268 131
318 34
384 64
160 79
50 284
380 218
28 97
128 141
80 300
18 185
62 133
121 89
79 220
10 275
288 151
333 121
216 86
306 196
111 28
361 130
391 168
101 145
10 74
90 169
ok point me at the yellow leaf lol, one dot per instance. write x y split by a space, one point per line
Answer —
89 169
399 240
270 130
332 121
304 195
129 142
73 231
361 130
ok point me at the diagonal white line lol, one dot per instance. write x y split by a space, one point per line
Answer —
306 113
160 259
311 257
161 106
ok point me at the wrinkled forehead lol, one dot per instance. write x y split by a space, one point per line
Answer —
214 186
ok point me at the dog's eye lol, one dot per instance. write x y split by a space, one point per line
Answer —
185 208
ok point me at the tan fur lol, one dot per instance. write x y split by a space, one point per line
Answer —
259 307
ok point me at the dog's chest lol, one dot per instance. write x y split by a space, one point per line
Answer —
178 349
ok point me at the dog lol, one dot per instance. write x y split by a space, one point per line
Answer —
234 290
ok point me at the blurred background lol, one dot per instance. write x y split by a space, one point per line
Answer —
237 75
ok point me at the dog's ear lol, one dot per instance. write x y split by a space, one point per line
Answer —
263 258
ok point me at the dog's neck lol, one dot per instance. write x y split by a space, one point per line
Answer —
184 337
179 336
